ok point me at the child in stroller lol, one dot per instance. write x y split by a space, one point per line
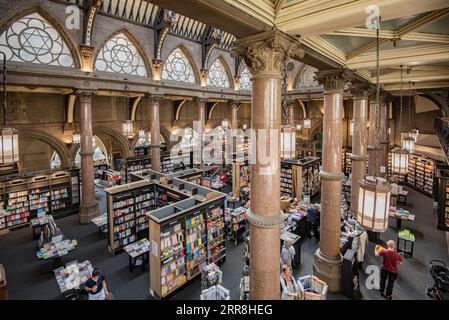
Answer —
440 276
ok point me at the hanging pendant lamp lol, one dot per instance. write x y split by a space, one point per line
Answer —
128 125
374 192
399 156
9 139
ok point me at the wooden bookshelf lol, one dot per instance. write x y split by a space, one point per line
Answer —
306 170
420 174
23 198
442 196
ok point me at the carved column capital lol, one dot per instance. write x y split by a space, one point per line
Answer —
233 103
334 80
360 91
154 98
265 53
87 51
85 93
384 97
200 100
204 73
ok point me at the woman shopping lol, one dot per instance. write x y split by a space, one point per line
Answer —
291 290
96 286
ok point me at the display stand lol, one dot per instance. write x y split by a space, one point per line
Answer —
236 223
350 277
101 222
406 242
138 254
314 288
72 278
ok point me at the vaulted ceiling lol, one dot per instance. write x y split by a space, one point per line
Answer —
414 33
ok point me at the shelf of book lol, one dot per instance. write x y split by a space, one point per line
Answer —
127 206
442 196
240 176
27 197
183 237
420 174
307 181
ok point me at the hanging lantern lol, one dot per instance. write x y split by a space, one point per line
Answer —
408 143
76 138
298 127
128 128
414 134
141 134
307 123
288 142
374 204
9 146
399 161
244 126
351 128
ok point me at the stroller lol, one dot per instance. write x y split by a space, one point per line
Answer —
440 275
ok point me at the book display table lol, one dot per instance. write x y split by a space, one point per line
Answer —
406 242
400 215
101 222
72 277
39 223
138 254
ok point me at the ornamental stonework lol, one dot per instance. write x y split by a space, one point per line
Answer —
265 54
333 81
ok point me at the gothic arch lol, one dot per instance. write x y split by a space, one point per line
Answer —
58 145
134 40
189 56
226 67
23 11
124 144
303 71
165 133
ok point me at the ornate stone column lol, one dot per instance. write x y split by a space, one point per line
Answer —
373 160
383 134
265 55
201 103
155 132
327 260
359 140
88 207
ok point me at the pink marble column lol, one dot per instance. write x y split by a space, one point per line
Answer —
201 103
327 261
359 140
155 132
88 207
265 55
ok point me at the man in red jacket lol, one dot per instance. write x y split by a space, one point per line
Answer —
391 260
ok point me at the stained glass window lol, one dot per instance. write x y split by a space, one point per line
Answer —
307 78
33 39
55 161
217 75
178 68
245 79
120 55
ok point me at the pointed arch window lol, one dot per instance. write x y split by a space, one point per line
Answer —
217 75
100 154
33 39
178 68
55 161
120 55
245 79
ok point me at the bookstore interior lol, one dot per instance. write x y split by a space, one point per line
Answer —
252 150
